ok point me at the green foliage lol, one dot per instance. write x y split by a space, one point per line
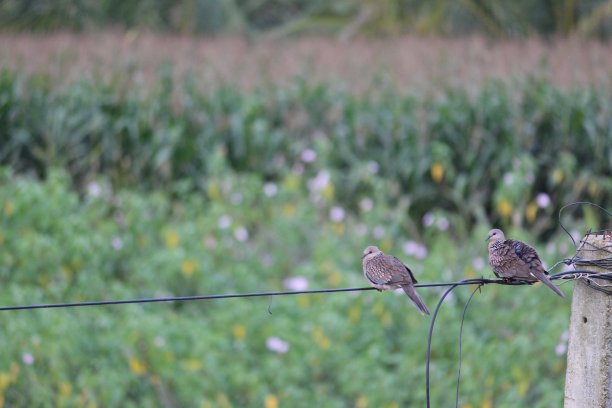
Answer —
244 235
484 156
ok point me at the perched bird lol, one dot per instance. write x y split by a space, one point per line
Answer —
386 272
515 260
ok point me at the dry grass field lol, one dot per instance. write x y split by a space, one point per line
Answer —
407 61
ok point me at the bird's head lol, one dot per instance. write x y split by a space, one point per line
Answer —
495 235
370 252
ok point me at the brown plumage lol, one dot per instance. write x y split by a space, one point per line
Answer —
386 272
515 260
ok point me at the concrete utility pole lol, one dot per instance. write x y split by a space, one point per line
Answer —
588 381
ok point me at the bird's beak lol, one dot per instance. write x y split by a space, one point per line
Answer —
487 238
363 256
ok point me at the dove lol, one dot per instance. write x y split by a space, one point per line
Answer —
515 260
386 272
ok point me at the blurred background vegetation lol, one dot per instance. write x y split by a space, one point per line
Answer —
345 17
140 156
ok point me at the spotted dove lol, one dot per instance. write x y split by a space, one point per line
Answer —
515 260
386 272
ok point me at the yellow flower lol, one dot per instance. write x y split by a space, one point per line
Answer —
192 364
303 301
354 314
378 309
65 389
321 339
437 172
223 401
188 267
328 192
558 176
214 191
523 387
271 401
289 209
334 278
5 380
338 228
393 405
487 403
362 402
387 319
171 238
291 182
386 244
9 208
531 212
137 366
239 332
504 208
593 188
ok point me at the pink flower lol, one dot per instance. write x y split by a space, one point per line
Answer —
277 345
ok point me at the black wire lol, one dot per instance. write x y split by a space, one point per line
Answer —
461 342
235 295
572 205
476 281
429 337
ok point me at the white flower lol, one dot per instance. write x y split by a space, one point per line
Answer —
117 243
416 249
378 232
309 155
428 219
270 189
443 224
373 167
478 263
277 345
366 204
224 222
560 349
508 178
319 182
543 200
336 214
241 234
565 336
296 283
94 189
159 341
27 358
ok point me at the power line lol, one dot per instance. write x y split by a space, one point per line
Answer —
475 281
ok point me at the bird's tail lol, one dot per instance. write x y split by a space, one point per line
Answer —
416 299
541 276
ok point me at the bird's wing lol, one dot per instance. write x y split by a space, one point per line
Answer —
379 274
525 253
408 270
